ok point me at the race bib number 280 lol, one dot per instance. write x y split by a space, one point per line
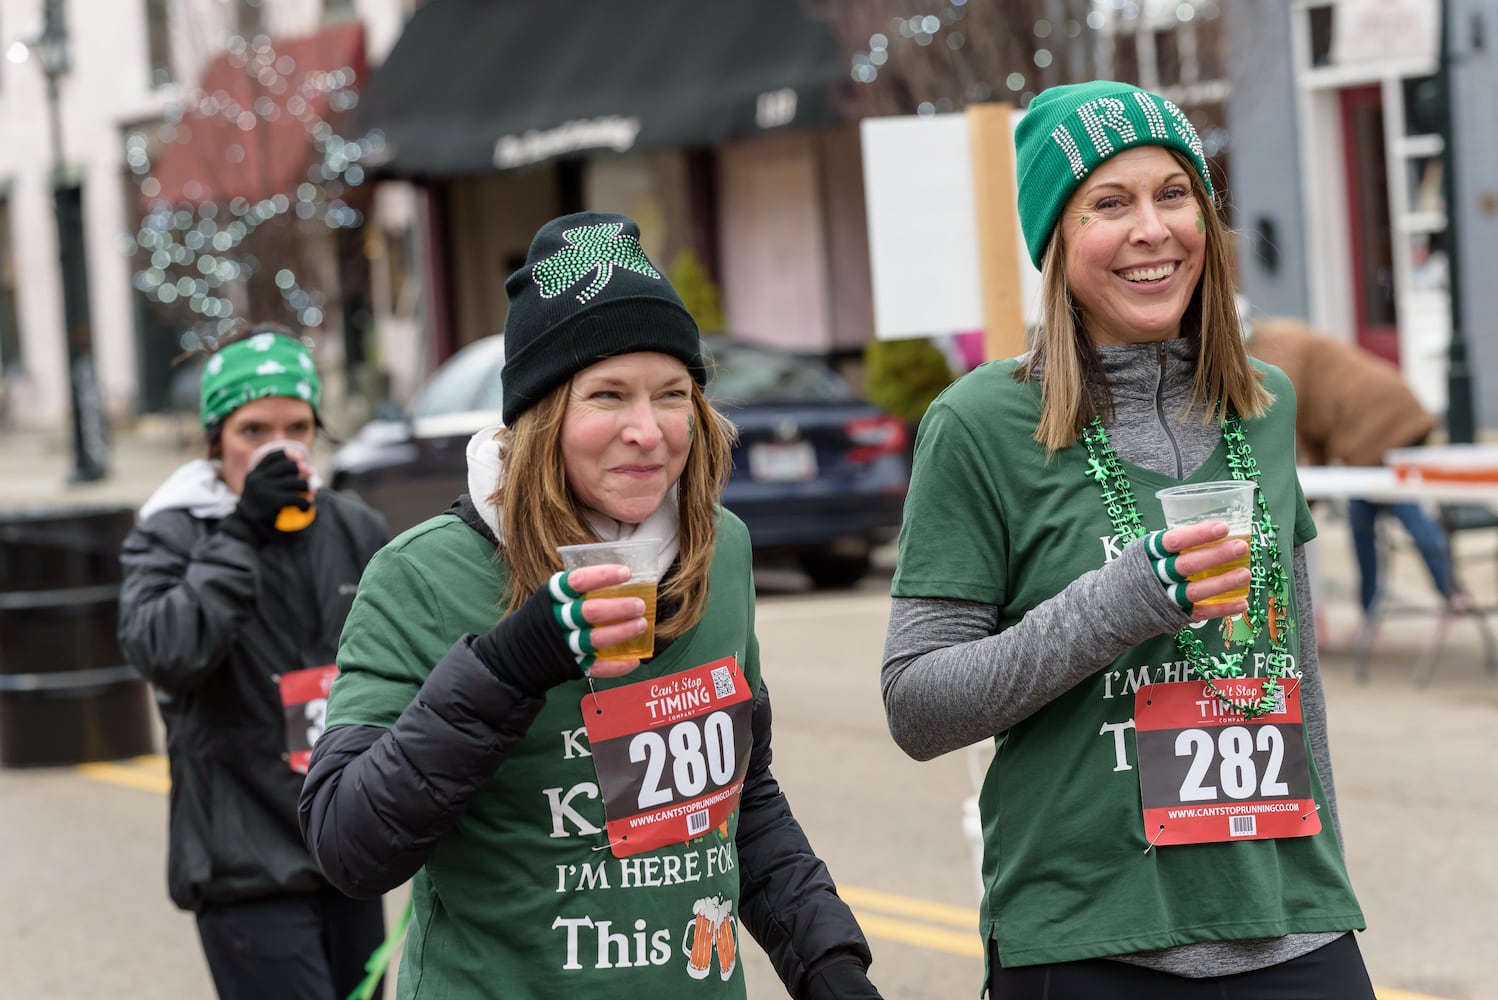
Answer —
1207 773
671 754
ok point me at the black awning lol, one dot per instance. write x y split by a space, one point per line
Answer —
478 85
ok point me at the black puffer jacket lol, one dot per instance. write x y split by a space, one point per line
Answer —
212 622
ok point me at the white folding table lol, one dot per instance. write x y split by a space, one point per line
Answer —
1380 484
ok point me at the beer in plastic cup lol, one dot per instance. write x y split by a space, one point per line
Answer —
1229 500
639 554
291 518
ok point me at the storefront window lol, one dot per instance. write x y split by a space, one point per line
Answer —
1422 106
1322 19
1425 192
1373 253
1125 57
10 320
159 42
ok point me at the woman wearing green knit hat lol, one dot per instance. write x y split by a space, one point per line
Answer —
237 579
1158 819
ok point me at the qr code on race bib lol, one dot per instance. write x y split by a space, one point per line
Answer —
723 682
1279 700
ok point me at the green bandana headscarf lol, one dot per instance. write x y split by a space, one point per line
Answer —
266 364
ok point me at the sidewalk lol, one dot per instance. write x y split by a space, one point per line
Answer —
34 466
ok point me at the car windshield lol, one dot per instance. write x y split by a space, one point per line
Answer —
470 381
746 373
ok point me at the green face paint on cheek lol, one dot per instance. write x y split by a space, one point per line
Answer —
1201 221
1085 219
691 427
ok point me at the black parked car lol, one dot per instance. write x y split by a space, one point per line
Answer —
819 475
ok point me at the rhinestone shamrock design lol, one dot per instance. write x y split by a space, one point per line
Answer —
599 248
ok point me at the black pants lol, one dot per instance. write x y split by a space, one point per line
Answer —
309 946
1332 972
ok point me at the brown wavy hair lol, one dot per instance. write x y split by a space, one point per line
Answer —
1073 388
538 511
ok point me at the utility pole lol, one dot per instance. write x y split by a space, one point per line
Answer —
1459 417
90 439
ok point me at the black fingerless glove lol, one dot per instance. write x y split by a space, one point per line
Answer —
841 979
528 650
271 485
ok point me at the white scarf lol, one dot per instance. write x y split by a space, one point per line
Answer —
486 470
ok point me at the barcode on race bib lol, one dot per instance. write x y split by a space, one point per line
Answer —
697 823
1243 826
723 682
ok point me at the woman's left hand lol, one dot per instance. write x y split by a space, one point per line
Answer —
1184 552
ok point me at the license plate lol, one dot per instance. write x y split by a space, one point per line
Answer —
782 462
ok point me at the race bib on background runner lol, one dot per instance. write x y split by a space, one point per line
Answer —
304 699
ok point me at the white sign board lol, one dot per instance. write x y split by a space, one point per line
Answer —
1376 31
923 227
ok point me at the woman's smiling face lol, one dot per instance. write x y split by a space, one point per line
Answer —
1135 244
626 433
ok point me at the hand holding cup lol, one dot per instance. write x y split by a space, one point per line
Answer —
633 578
1215 564
292 516
1223 510
615 622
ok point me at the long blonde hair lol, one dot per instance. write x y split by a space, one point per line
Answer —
1066 361
538 512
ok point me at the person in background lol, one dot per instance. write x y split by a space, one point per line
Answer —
237 581
1037 604
1353 407
576 822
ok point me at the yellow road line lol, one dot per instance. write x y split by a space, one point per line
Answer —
964 943
904 906
146 774
887 925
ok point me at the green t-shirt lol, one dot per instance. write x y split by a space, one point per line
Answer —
991 518
523 900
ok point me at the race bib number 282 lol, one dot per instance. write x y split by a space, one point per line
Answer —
1207 773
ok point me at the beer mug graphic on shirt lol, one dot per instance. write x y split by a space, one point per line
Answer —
726 948
710 931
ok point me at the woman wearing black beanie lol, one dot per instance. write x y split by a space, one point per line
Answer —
576 821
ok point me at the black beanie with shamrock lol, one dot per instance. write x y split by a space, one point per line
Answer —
585 293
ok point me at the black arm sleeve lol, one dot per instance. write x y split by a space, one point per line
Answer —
376 801
185 596
788 900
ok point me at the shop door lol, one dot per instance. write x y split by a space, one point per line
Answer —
1369 227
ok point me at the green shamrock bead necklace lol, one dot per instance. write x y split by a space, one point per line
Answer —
1267 576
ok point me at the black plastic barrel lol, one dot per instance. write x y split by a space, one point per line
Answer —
66 694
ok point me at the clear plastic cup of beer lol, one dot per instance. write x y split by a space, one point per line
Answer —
640 556
1228 500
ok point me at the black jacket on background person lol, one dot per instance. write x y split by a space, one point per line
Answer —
212 622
